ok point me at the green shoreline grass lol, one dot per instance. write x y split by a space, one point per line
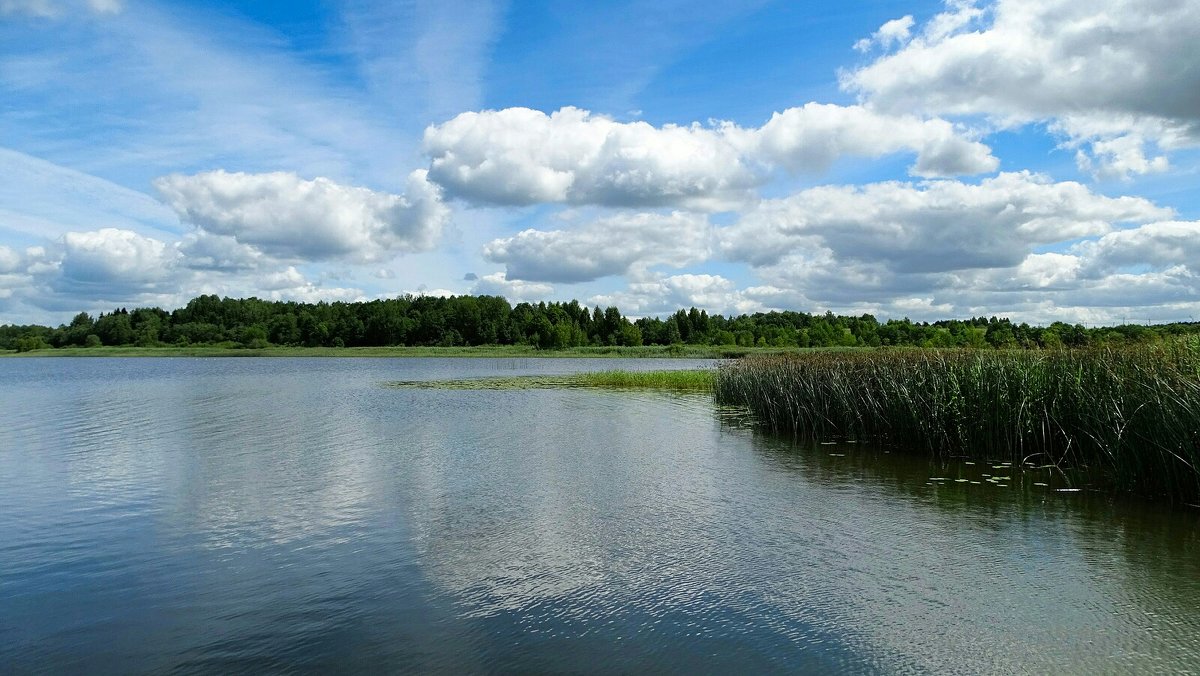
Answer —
645 351
1126 419
678 381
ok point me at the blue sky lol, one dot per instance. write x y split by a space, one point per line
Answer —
1030 158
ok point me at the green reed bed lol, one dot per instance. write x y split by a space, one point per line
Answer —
1127 418
658 380
679 381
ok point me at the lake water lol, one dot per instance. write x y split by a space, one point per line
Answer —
295 515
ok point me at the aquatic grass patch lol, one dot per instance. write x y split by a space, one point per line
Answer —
693 380
1127 418
680 381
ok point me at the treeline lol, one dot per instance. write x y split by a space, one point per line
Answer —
491 320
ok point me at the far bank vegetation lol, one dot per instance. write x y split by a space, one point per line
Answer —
466 321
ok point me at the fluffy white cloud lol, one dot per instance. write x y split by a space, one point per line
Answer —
1111 74
711 292
1119 157
896 31
1044 271
205 251
1084 285
813 136
102 269
1154 245
496 284
13 276
929 227
91 271
291 284
282 215
617 245
523 156
519 156
1077 287
289 278
10 261
114 263
1016 244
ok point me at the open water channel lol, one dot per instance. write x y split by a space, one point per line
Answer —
296 515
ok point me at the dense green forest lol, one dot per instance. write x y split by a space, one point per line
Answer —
491 320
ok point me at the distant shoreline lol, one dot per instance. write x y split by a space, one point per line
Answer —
483 351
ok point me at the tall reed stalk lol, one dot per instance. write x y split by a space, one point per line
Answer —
1128 417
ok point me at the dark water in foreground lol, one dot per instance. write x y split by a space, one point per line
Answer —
247 515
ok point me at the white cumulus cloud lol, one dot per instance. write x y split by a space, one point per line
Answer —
519 156
668 294
523 156
930 227
290 284
10 261
111 262
283 215
813 136
1017 244
220 253
496 284
894 32
1153 245
617 245
1110 74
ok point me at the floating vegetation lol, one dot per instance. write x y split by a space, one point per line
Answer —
1124 419
693 381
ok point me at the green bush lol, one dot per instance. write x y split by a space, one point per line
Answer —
31 343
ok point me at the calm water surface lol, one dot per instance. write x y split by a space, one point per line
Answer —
279 515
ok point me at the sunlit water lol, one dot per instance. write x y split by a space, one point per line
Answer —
271 515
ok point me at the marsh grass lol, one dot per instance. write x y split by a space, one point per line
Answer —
680 381
1126 418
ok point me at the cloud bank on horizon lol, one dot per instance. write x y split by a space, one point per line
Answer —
1029 158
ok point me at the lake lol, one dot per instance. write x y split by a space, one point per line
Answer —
297 515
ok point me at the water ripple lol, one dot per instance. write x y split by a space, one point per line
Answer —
217 516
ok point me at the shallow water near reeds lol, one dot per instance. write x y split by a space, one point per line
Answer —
297 515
